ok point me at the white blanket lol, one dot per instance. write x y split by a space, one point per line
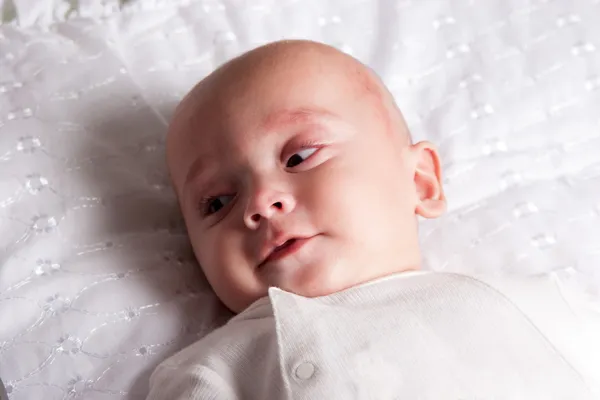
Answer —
97 281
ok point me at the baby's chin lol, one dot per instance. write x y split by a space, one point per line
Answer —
317 279
320 280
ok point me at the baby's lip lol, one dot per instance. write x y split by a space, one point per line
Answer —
270 247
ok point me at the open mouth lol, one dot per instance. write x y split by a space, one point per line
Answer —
287 248
283 246
280 251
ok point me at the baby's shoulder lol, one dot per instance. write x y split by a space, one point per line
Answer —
225 362
243 335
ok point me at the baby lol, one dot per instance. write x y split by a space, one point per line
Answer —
301 188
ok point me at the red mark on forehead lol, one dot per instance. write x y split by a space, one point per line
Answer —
368 87
295 116
365 82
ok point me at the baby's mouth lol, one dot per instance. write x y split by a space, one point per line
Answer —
283 246
278 250
289 247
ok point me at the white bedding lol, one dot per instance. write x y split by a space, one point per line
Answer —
97 281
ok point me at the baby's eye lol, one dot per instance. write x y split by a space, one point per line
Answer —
300 156
212 205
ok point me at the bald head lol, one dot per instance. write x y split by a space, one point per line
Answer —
276 62
270 60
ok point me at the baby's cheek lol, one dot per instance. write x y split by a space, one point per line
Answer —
340 196
212 257
202 244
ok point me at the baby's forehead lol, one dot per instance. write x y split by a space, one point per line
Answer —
217 112
234 130
212 142
263 105
214 131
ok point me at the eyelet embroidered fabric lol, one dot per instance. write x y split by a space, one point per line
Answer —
97 281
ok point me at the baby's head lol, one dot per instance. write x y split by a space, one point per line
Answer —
298 145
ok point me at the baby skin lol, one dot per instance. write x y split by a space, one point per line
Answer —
300 188
297 144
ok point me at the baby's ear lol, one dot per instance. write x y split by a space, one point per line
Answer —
431 202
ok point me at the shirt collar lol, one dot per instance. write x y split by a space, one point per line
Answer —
263 307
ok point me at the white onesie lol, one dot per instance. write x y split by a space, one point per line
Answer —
418 335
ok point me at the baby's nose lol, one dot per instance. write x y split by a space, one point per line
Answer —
266 205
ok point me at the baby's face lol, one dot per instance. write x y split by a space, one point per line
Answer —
300 156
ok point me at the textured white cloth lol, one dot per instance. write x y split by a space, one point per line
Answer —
417 335
97 280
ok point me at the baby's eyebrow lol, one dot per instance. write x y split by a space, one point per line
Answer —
195 169
294 116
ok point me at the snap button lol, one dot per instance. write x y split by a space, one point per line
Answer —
305 370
